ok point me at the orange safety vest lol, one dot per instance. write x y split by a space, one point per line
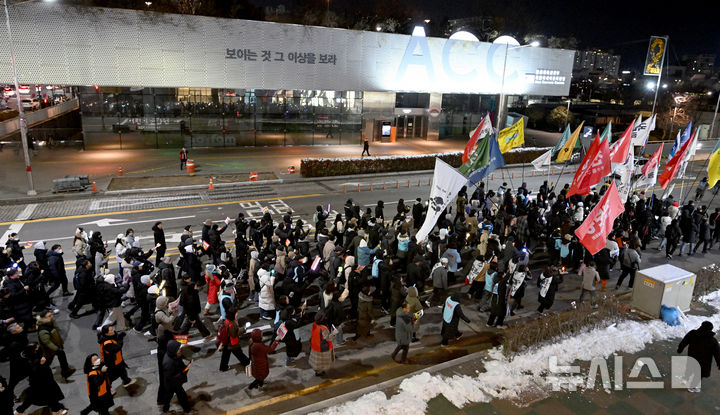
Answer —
104 387
316 337
118 354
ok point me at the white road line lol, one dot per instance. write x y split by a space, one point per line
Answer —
27 212
15 227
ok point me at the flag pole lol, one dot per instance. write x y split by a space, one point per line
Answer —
561 173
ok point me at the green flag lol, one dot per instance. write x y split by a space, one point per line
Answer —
607 132
479 158
563 140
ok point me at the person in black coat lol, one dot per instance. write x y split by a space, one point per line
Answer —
99 386
16 342
548 283
498 301
58 276
451 314
20 305
175 372
166 273
44 390
85 290
41 256
33 278
160 243
703 347
706 231
6 397
15 250
190 302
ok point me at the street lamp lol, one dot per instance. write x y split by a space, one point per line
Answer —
712 125
502 105
23 122
567 112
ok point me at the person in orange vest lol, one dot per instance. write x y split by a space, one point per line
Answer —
228 341
99 386
366 147
322 354
111 344
183 158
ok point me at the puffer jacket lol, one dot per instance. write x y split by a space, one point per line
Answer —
267 292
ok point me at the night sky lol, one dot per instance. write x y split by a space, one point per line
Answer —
623 26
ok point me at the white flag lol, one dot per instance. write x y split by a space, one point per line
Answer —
446 184
642 130
543 160
684 163
625 171
635 130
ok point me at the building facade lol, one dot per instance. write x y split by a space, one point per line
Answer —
152 80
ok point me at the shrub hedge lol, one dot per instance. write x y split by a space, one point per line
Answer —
324 167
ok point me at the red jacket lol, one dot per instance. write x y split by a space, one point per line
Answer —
258 351
213 288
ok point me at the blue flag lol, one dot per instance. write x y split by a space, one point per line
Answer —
681 139
496 161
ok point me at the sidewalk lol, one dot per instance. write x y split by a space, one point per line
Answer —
102 166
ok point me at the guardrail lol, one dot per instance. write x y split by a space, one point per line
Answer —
36 117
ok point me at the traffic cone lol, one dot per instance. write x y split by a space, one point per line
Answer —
383 185
408 183
418 182
94 187
211 186
397 184
371 187
358 188
120 171
344 188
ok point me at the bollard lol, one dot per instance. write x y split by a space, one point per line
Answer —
358 188
94 187
492 176
120 171
190 167
397 184
344 189
371 187
383 185
418 182
408 183
429 181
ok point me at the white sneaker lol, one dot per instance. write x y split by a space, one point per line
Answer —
132 382
147 334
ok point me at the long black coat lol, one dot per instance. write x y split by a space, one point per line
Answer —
20 304
703 347
56 266
173 367
43 390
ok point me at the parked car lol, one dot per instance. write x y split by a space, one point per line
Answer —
30 104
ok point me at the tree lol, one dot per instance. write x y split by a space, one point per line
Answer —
556 118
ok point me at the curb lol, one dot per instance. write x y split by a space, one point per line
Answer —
191 187
318 406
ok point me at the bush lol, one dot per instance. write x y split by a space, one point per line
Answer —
707 280
323 167
565 323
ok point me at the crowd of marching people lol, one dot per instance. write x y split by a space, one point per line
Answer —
340 278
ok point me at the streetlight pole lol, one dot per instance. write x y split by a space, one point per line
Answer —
23 122
502 104
712 125
567 113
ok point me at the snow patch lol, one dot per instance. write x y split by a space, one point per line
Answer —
511 378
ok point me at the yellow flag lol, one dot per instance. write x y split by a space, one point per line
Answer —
511 137
714 166
566 150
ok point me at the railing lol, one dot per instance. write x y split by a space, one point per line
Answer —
36 117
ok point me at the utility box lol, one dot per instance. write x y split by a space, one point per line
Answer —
662 285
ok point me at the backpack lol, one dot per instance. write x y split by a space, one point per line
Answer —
223 334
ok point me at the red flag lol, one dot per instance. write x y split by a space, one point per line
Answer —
594 231
593 168
619 151
672 166
654 160
474 135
